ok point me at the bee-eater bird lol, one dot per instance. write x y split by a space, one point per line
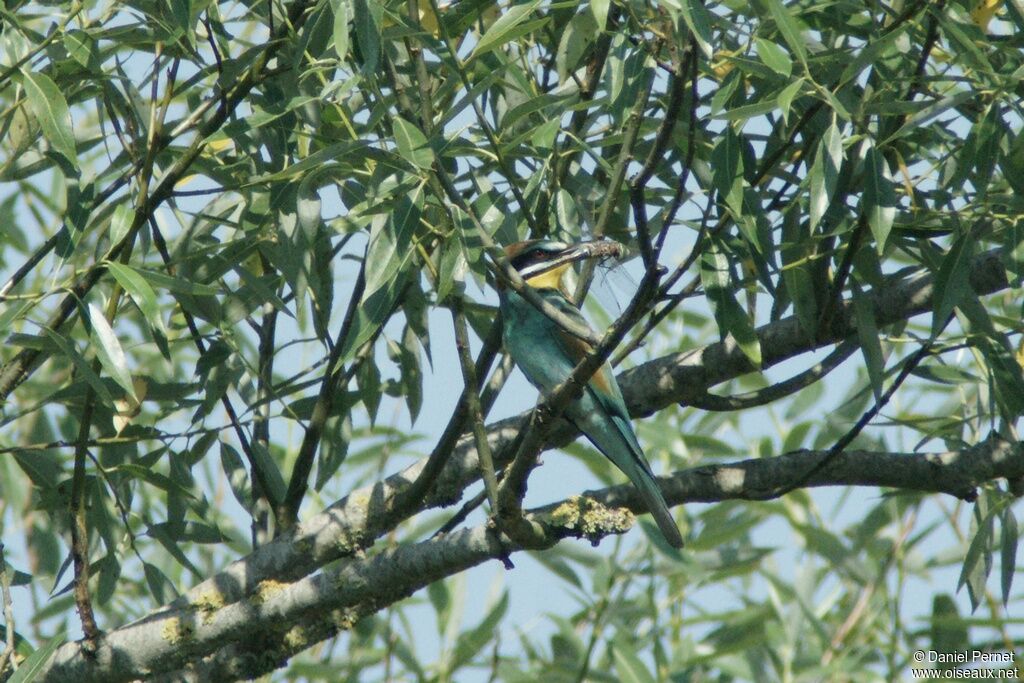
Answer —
547 354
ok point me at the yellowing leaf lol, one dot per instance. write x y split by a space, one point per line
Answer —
983 12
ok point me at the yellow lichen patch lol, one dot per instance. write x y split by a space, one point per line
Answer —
297 638
208 603
268 589
344 619
590 518
175 630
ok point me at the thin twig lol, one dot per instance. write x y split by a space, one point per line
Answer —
781 389
476 416
407 502
80 530
298 483
611 194
840 446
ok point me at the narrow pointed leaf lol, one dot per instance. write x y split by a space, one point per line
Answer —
1008 552
504 29
82 366
340 28
867 334
732 319
698 20
49 105
728 170
952 282
109 351
824 173
412 144
34 664
774 57
879 201
789 29
145 298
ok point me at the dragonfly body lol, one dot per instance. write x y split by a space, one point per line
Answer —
547 355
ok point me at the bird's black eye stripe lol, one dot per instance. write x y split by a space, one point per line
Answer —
528 257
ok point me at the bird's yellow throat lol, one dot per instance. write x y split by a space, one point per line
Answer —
551 279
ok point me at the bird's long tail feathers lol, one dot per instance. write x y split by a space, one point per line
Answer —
649 491
614 437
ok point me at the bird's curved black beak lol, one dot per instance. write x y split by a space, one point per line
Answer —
580 251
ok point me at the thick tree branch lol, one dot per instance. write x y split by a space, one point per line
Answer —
168 640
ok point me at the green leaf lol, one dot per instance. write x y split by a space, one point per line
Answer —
271 473
471 642
309 206
367 19
181 11
926 114
727 163
121 223
237 476
407 356
698 20
576 40
978 560
412 144
789 29
774 57
454 266
731 318
369 385
109 351
49 105
867 334
627 664
340 30
80 46
157 582
785 98
599 10
82 366
387 257
148 475
145 298
390 246
879 200
191 532
797 271
176 284
747 111
29 669
504 29
1008 552
952 282
948 629
824 173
